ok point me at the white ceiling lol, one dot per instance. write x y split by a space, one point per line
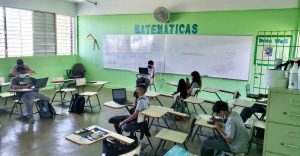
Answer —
147 6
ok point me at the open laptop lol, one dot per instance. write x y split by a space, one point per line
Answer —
41 83
143 71
119 96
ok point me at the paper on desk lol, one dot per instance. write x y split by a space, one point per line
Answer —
204 117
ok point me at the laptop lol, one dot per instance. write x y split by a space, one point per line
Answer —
143 71
41 83
119 96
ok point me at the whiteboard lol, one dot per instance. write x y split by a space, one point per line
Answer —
129 52
214 56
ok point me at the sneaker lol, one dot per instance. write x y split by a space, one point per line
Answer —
31 120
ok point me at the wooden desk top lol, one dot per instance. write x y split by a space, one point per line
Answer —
172 83
99 82
62 81
243 103
155 111
170 135
21 90
152 94
211 90
5 84
84 141
202 121
114 105
192 99
158 111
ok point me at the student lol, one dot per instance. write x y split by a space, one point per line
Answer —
151 71
129 123
180 93
196 82
22 82
20 62
233 138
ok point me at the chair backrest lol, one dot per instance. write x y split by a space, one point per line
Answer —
78 69
2 80
248 88
191 128
80 82
195 92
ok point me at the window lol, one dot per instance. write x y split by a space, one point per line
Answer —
35 33
65 35
44 33
19 32
2 34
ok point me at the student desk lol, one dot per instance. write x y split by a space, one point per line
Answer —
79 140
114 105
202 122
193 100
178 151
242 103
18 100
154 95
157 112
5 95
62 90
101 84
216 90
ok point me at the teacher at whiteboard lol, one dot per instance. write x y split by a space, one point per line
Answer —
151 71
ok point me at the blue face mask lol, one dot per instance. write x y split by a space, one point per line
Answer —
22 76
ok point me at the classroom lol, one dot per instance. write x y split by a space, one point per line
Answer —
138 77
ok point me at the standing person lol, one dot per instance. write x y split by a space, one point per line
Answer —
233 138
130 123
151 71
196 82
20 62
23 82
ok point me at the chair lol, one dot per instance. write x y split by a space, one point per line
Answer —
19 102
57 83
152 83
5 95
174 136
254 96
80 82
77 71
144 130
62 91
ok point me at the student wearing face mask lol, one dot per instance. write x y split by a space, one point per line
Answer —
233 138
151 71
20 62
22 82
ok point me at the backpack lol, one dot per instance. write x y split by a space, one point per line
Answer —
77 104
113 147
45 109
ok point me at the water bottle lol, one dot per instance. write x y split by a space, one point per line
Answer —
293 77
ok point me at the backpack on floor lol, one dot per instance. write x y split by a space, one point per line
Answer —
45 109
77 104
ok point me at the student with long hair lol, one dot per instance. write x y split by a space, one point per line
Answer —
196 82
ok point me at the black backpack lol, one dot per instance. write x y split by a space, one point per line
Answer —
77 104
45 109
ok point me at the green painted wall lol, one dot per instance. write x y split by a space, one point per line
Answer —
46 66
210 23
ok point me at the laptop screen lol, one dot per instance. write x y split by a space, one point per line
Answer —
119 94
40 83
143 70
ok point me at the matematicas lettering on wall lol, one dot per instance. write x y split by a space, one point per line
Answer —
166 28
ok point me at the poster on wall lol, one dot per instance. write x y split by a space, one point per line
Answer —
271 47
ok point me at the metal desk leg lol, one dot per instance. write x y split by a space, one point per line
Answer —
159 101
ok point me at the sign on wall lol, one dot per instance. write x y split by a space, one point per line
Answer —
166 28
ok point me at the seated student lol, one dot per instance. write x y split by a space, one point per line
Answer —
20 62
22 82
129 123
247 112
196 82
233 138
181 93
151 71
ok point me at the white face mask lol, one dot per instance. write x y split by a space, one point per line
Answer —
22 76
